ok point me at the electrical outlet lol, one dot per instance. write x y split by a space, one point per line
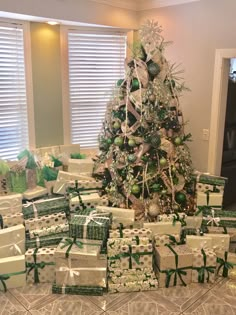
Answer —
205 134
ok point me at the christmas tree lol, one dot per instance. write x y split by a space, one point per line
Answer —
144 161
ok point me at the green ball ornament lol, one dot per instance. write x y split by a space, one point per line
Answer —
132 158
177 141
154 69
155 141
180 197
116 125
109 141
131 143
118 141
135 84
163 161
135 189
156 187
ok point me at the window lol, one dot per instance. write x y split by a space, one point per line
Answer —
15 99
95 63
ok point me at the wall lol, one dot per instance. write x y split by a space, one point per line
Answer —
197 30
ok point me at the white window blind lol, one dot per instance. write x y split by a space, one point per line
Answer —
96 62
13 100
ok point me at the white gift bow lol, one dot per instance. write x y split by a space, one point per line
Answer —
212 219
70 273
92 216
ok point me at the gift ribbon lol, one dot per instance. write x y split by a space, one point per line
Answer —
176 217
225 264
91 217
204 269
7 276
212 219
36 266
1 221
173 239
121 228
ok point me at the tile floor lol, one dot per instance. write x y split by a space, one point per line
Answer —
196 299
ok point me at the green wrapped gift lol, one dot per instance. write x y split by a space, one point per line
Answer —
217 217
45 241
209 179
90 224
77 290
45 206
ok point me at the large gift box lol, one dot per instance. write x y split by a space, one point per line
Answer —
40 264
163 227
10 204
114 244
206 182
43 207
220 241
12 241
87 201
126 233
12 272
133 286
84 166
199 241
11 220
45 221
213 199
161 240
77 290
173 265
90 224
47 231
35 192
204 265
45 241
226 264
126 217
218 217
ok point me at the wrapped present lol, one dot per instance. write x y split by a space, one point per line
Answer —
77 290
218 217
87 201
51 230
232 245
114 244
193 222
61 186
45 241
40 264
44 207
4 178
173 217
126 233
199 241
10 204
133 286
213 199
204 266
45 221
69 148
173 265
163 227
90 224
226 264
220 241
131 275
201 187
84 166
12 272
161 240
11 220
12 241
126 217
205 178
36 192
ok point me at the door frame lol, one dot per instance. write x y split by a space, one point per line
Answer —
218 108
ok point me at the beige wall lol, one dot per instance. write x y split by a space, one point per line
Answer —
197 30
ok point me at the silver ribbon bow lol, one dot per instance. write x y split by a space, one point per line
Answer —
212 219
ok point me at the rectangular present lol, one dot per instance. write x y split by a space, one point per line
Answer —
36 192
80 166
131 233
201 187
18 181
214 199
133 286
193 222
126 217
61 186
114 244
45 221
206 178
163 227
218 217
51 230
14 268
12 219
204 266
12 241
90 201
170 264
10 204
67 176
90 224
130 275
163 239
81 252
69 148
45 241
40 265
232 245
226 264
46 206
220 241
199 241
77 290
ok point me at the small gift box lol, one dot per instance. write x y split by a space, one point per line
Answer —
126 233
226 264
126 217
44 207
131 275
47 231
45 221
220 241
197 241
80 166
200 187
12 272
161 240
61 186
12 241
77 290
40 264
204 266
35 192
193 222
114 244
10 204
45 241
173 265
90 224
11 220
213 199
205 178
90 201
218 217
163 227
133 286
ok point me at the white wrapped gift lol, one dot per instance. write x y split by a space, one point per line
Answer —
36 192
215 199
197 241
10 204
12 219
163 227
119 215
81 166
12 241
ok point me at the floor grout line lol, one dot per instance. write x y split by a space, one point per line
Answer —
17 300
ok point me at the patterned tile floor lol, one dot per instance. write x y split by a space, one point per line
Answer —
196 299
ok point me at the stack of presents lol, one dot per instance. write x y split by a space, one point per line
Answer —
56 228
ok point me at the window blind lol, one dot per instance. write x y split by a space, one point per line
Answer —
13 104
96 62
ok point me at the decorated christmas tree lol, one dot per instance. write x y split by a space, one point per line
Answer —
144 161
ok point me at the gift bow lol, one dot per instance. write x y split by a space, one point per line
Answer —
70 242
70 273
225 264
204 269
176 218
212 219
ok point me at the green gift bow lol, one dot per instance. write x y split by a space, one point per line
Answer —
69 242
36 266
177 272
7 276
225 264
173 240
177 218
201 270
